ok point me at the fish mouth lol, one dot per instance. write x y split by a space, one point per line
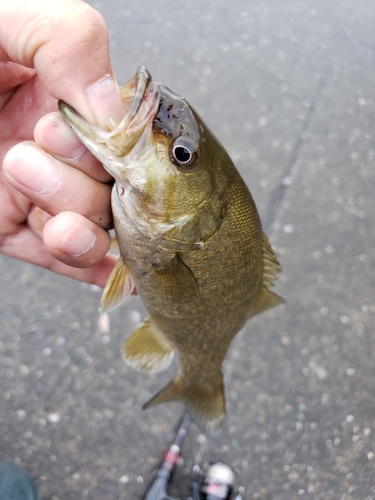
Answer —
141 99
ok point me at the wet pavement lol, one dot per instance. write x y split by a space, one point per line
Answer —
290 91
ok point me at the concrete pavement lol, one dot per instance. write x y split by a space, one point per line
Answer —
289 89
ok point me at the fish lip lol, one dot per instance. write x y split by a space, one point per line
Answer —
83 129
142 79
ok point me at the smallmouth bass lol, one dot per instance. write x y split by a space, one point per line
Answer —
190 241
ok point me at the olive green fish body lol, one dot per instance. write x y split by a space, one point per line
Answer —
201 312
201 319
190 240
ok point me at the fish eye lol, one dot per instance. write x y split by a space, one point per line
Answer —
184 153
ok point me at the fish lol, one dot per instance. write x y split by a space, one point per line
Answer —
190 240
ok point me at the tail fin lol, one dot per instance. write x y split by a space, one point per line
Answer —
205 403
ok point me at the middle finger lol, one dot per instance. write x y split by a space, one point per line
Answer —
55 186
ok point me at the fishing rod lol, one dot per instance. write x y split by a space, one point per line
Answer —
158 489
217 483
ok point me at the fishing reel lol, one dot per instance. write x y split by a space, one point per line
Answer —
216 483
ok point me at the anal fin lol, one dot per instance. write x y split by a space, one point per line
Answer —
205 403
119 286
148 349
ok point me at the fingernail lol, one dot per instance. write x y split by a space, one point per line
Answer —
27 165
104 100
57 137
78 240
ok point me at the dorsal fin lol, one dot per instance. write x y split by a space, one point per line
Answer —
271 267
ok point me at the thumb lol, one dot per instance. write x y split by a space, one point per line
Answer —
66 41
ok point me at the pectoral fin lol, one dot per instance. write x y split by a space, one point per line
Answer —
271 267
148 349
176 281
119 286
205 403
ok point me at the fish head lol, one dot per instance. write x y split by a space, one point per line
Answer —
162 158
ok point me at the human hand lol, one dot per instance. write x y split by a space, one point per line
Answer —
54 195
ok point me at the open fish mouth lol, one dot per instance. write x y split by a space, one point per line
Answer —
141 99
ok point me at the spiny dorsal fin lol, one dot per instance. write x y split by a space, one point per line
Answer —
148 349
205 403
119 286
271 267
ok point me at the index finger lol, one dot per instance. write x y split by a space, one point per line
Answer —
55 136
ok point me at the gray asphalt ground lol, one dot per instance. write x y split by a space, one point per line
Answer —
289 88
